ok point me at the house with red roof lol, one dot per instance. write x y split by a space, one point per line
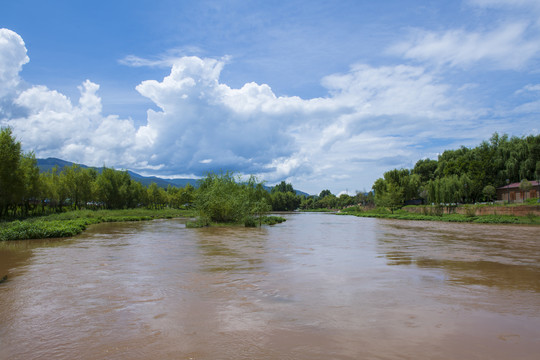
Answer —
513 192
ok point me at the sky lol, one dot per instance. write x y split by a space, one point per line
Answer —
320 94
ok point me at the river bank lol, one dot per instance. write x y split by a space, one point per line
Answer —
72 223
465 214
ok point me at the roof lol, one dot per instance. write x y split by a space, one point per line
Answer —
534 183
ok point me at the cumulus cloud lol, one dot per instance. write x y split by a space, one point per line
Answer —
12 58
54 126
205 125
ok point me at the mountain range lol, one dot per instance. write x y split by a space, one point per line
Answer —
49 163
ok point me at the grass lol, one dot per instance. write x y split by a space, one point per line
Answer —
250 222
72 223
469 218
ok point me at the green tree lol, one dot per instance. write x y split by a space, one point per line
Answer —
489 192
525 186
282 187
425 169
157 197
324 193
10 177
391 198
113 188
221 198
31 191
285 201
79 184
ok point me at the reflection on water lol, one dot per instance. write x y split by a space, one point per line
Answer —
507 257
318 286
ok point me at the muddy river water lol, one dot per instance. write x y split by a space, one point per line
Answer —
318 286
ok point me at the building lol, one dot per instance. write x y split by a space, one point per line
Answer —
513 193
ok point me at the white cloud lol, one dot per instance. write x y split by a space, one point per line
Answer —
55 126
509 46
529 87
530 107
167 59
12 58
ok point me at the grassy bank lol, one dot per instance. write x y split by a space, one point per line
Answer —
405 215
74 222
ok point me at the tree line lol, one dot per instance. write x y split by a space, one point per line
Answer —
465 175
25 191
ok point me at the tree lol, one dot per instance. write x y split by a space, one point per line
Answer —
285 201
154 195
489 192
324 193
425 169
260 208
114 188
10 177
29 172
392 198
282 187
525 186
78 182
221 199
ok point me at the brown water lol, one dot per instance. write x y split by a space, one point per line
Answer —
318 286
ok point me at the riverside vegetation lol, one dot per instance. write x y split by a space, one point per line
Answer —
63 202
436 213
465 175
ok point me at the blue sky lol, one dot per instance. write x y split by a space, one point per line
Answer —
321 94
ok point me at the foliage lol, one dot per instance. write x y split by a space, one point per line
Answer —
223 199
74 222
10 178
331 202
525 186
272 220
489 192
282 187
285 201
462 175
484 219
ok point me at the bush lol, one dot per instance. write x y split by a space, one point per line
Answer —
272 220
224 200
200 222
250 221
470 211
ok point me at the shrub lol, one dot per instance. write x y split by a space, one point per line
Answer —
250 221
470 211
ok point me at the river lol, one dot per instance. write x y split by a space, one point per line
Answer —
318 286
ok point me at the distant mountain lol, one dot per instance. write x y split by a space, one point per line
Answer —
49 163
147 180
